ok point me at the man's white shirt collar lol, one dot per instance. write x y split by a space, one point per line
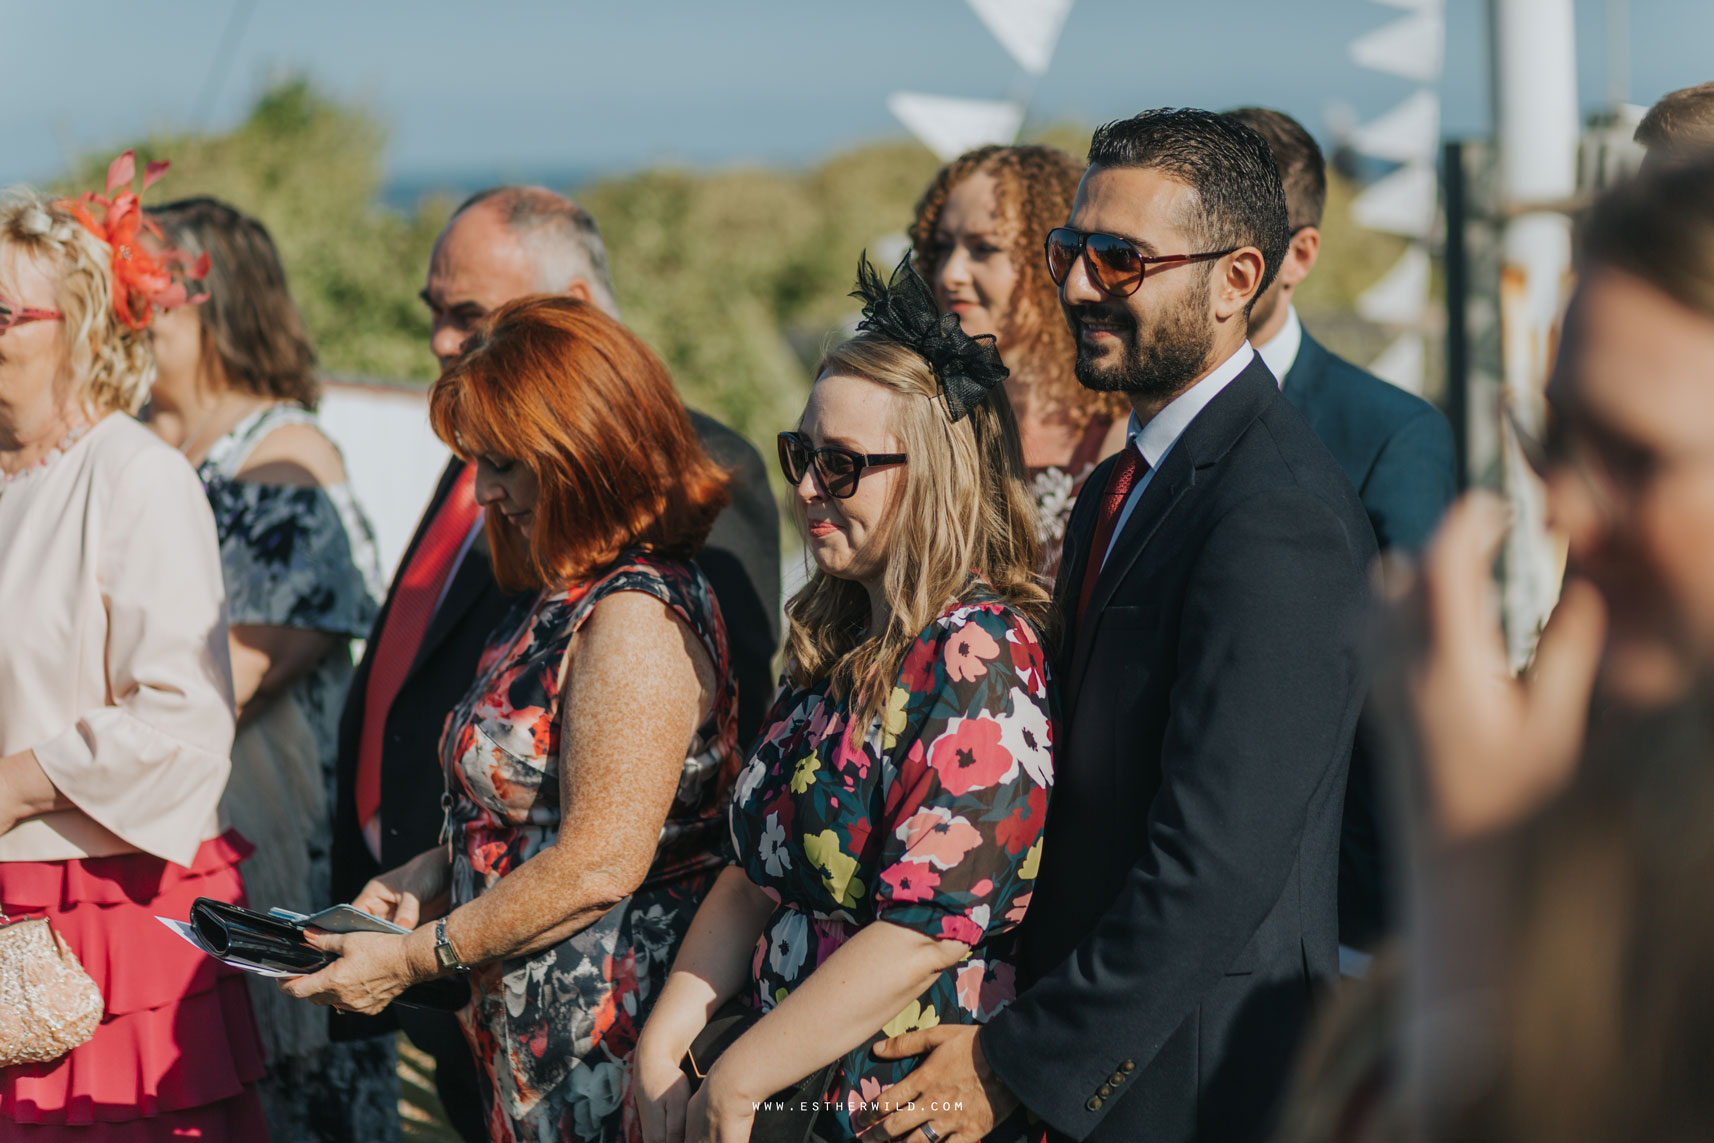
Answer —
1155 438
1280 354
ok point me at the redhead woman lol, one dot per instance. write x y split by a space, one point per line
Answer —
978 240
115 696
886 831
587 767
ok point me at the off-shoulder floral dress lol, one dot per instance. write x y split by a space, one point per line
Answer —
932 822
553 1032
301 557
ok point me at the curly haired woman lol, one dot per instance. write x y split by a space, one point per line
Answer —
978 239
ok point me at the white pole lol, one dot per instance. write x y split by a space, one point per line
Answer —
1538 128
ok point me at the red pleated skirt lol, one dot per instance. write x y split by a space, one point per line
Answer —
176 1056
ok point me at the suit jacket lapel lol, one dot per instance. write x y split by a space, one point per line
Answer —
1166 486
471 580
1203 443
1305 375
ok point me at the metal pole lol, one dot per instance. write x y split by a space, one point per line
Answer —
1538 128
1457 304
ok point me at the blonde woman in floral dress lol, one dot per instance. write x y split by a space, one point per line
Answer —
886 830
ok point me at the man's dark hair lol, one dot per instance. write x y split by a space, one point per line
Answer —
1227 164
1682 119
1303 170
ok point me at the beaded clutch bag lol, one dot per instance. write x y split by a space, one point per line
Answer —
51 1004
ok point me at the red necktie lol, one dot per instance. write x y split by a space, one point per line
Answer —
396 645
1120 481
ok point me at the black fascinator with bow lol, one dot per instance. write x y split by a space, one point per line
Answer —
904 311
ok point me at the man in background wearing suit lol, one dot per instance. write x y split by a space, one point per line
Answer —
1184 915
1396 448
443 605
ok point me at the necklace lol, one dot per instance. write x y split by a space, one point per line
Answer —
7 479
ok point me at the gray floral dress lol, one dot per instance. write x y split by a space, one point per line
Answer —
301 557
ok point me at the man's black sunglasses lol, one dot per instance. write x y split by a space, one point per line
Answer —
838 469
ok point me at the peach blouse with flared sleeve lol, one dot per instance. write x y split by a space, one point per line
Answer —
114 667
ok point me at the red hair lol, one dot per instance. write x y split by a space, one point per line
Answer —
556 385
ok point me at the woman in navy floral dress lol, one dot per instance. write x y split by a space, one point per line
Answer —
888 827
235 393
588 766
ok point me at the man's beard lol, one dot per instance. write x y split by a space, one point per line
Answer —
1177 349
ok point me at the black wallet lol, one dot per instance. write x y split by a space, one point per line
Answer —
258 940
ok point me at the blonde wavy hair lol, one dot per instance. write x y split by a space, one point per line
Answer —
112 365
962 510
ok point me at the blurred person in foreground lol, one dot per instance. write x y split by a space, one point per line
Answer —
1397 451
887 830
445 602
1628 459
586 768
1680 124
978 240
1185 914
116 710
236 394
1556 956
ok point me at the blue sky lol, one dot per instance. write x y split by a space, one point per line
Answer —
513 88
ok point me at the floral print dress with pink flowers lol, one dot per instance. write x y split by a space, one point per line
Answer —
932 821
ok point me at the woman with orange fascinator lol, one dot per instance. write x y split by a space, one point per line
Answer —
116 715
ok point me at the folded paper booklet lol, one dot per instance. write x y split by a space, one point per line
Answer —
273 944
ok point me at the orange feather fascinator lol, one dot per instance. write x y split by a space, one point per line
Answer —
144 279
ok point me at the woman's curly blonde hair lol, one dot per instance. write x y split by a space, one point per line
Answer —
113 365
1034 185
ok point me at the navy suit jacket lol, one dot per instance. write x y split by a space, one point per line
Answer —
1185 910
1395 447
1397 451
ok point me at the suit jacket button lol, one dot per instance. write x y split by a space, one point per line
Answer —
1116 1078
1104 1091
1094 1103
1128 1066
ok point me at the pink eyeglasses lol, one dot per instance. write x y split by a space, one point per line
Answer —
11 315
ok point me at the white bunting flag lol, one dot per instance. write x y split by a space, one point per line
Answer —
1403 202
1410 131
1028 29
1400 297
1411 48
949 127
1404 363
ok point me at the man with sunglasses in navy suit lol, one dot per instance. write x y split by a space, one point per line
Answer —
1396 448
1185 913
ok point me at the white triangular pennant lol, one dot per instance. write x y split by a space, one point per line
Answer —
1410 131
1401 297
1404 363
1028 29
1400 203
1411 48
949 127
